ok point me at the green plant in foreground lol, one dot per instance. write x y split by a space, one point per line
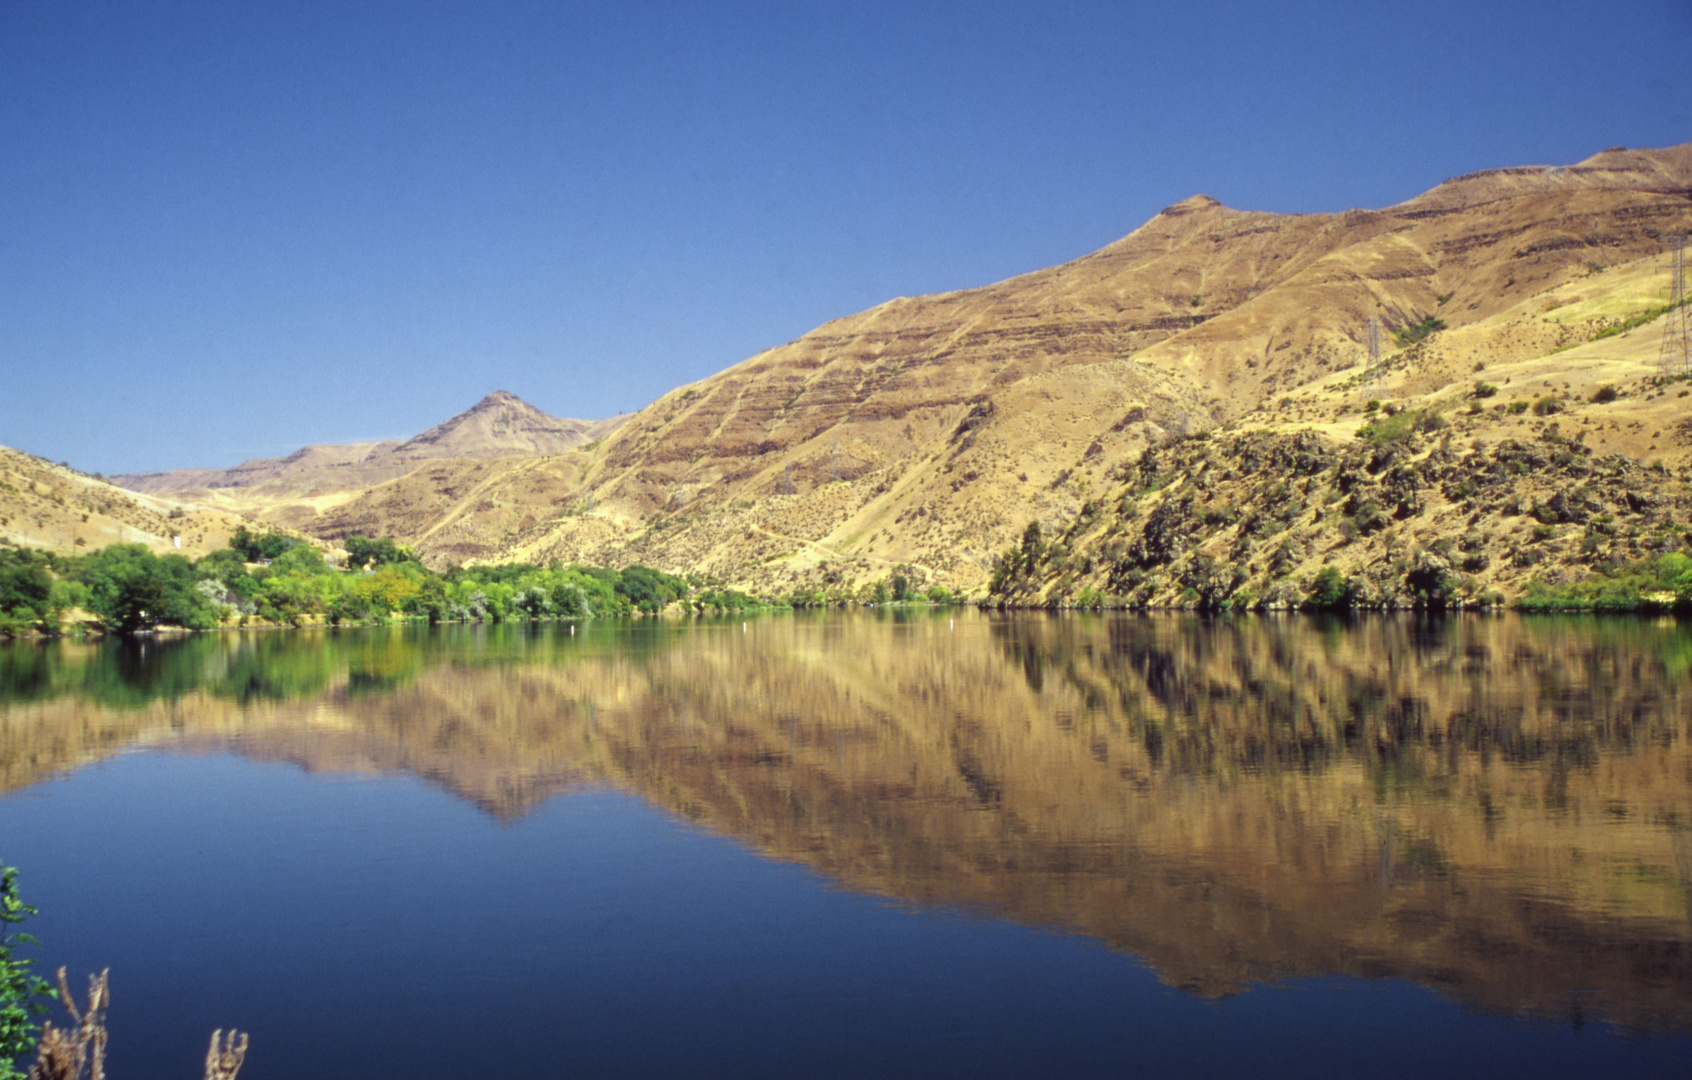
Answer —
20 991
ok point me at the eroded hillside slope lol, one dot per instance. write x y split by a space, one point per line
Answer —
43 505
927 432
296 489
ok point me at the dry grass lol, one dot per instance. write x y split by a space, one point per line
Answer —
78 1052
67 1053
224 1061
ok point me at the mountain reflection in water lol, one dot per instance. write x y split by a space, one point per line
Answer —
1495 807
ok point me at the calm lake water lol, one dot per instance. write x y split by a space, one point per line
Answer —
937 844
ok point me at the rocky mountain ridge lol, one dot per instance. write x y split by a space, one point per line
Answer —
295 489
925 434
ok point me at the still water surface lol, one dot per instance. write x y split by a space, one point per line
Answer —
946 844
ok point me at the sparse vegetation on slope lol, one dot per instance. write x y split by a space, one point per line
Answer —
56 507
1403 518
1417 329
929 431
922 436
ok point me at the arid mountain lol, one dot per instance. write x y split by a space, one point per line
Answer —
927 432
1487 805
503 425
43 505
295 489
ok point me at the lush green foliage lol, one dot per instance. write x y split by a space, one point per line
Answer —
255 548
130 588
1660 584
127 588
1330 591
362 551
21 993
26 590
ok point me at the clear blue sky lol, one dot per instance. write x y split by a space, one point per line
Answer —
229 229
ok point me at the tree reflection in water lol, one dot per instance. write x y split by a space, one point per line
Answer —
1496 807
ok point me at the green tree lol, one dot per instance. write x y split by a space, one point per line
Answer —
21 993
254 547
131 589
363 551
1033 547
1331 591
303 560
649 590
23 581
902 590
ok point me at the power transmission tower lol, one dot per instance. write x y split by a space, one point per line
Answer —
787 480
1674 358
1372 366
835 473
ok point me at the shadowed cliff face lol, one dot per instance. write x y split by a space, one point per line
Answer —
1497 808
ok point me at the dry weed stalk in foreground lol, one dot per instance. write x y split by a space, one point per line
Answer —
65 1053
223 1062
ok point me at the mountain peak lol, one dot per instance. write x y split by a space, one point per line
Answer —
500 403
499 398
1190 204
500 425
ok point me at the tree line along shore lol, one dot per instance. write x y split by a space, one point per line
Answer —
272 579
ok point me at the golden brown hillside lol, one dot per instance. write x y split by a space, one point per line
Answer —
1493 806
929 431
44 505
294 490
